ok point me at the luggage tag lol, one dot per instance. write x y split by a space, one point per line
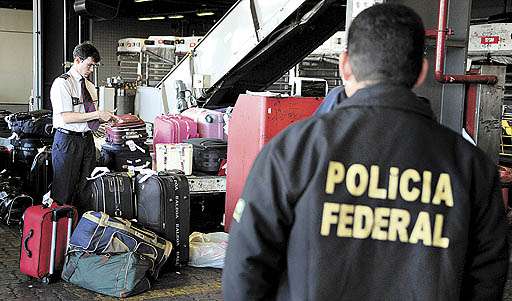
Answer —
133 146
14 136
223 168
47 200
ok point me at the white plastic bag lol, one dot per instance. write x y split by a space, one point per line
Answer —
208 250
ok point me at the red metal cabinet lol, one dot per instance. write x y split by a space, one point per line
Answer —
255 120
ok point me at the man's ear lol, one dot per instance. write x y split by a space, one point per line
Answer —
345 67
423 74
76 60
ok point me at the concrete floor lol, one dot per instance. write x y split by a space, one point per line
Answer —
189 284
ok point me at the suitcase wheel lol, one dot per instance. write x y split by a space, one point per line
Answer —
45 280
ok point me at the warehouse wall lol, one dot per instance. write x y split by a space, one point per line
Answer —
15 58
106 33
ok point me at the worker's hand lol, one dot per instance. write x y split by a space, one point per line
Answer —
105 116
115 118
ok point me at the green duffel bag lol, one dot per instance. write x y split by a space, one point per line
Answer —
119 275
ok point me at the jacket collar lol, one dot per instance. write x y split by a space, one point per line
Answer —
391 96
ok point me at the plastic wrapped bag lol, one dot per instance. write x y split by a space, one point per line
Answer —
208 250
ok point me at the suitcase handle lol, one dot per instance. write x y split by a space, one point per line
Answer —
25 242
98 172
61 212
212 144
131 136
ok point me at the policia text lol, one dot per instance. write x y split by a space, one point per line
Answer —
382 223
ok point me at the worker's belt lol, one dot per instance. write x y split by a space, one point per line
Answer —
68 132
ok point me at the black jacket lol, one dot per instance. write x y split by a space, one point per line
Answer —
334 98
372 201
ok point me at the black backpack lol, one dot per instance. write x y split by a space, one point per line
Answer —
35 124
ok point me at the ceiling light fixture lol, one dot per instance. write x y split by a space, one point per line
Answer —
151 18
203 13
139 1
176 17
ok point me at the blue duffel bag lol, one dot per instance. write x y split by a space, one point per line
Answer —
99 233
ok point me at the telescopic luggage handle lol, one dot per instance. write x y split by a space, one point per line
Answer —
58 213
62 212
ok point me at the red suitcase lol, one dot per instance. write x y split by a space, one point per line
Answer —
173 129
127 127
46 234
210 123
255 120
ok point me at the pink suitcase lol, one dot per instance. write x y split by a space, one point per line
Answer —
210 123
173 129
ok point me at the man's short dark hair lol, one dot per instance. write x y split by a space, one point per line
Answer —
85 50
386 43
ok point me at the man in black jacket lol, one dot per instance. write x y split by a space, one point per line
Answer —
374 200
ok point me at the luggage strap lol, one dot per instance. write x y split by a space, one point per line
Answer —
148 173
40 151
126 225
133 146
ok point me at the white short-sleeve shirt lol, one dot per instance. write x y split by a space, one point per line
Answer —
65 97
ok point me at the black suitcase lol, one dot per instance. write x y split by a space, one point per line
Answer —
25 150
12 201
12 207
41 174
23 154
5 158
208 154
163 206
119 157
111 193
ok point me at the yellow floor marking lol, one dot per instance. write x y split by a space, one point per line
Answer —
173 292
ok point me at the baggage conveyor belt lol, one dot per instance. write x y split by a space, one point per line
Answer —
189 284
206 184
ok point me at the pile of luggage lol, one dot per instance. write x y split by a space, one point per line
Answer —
126 148
107 248
193 142
29 160
135 221
159 202
108 255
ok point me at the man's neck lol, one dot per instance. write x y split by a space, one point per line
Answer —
76 70
352 87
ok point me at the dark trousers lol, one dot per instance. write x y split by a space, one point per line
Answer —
73 159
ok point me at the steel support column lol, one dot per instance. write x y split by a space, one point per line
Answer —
483 122
447 99
56 32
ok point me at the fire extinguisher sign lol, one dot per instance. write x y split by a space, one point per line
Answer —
486 40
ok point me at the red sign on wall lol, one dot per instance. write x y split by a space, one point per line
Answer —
486 40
